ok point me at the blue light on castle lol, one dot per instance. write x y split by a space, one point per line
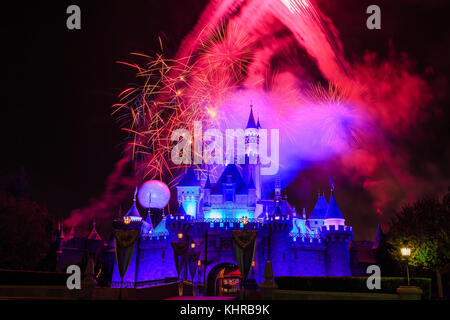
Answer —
209 208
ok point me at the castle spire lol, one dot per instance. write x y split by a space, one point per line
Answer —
277 188
93 235
331 185
60 229
251 119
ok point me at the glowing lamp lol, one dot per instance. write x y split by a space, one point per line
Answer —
126 220
154 194
244 220
405 252
180 236
193 245
199 263
253 264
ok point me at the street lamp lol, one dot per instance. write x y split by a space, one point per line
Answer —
180 236
192 245
406 252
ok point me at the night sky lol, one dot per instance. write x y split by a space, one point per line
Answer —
60 84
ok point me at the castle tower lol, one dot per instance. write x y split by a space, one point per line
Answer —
337 236
253 164
317 217
279 224
59 241
188 191
131 221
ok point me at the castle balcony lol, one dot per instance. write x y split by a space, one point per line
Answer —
229 223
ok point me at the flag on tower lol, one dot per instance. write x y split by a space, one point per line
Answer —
332 185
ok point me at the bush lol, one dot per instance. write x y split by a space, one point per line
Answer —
350 284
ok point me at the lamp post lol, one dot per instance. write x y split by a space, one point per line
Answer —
406 252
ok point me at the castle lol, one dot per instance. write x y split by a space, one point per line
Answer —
209 208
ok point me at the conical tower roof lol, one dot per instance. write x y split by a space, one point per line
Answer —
180 211
378 237
251 184
189 179
93 235
320 209
161 228
133 212
148 220
207 183
333 211
251 124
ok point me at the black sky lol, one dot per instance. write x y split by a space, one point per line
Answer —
59 84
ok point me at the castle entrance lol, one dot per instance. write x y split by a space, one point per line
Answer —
223 280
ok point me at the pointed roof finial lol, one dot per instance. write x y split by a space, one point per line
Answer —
135 193
251 119
332 185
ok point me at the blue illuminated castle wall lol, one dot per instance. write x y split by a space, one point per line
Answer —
297 245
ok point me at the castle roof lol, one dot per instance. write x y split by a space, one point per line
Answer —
230 175
251 184
251 124
180 211
281 207
148 220
133 212
189 179
207 183
258 125
320 209
161 228
333 211
93 235
378 237
71 234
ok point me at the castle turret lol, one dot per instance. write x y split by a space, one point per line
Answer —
253 163
251 192
59 239
337 236
188 191
279 224
317 217
93 235
207 192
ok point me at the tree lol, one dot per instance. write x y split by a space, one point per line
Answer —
424 227
25 233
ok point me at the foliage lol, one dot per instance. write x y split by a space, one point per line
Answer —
25 233
424 228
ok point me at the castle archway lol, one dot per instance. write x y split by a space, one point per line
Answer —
223 279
